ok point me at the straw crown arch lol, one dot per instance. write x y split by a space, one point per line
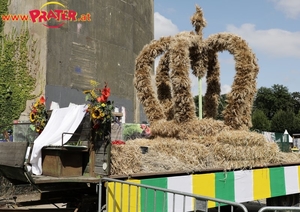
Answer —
181 142
171 110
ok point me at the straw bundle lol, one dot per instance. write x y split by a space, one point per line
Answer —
191 129
197 154
163 155
187 50
125 159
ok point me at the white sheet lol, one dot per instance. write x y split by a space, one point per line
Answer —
61 120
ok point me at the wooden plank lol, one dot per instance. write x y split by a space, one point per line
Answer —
116 131
102 158
82 133
40 179
13 153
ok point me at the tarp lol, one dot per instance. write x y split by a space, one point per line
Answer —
62 120
278 137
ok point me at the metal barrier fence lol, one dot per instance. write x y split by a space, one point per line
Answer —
123 196
275 208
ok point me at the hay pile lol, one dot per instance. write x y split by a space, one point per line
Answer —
228 150
181 142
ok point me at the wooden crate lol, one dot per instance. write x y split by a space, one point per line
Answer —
62 162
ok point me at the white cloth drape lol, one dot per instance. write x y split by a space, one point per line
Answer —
62 120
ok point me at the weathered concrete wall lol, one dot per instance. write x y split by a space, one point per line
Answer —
103 49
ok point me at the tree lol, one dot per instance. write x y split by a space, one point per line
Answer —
264 100
260 121
296 123
271 100
283 120
296 102
283 99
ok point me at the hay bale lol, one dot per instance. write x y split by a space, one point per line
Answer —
227 150
241 138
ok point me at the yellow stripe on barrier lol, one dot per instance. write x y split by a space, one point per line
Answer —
299 178
204 184
130 197
261 183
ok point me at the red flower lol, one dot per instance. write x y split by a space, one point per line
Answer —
102 99
148 131
105 94
42 100
106 91
143 126
117 142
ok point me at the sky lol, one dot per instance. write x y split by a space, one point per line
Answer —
270 27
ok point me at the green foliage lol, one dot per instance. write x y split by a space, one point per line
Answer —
283 120
131 131
296 102
260 121
16 81
3 11
279 106
271 100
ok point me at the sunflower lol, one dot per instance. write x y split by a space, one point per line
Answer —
43 123
96 113
99 108
102 114
38 115
32 117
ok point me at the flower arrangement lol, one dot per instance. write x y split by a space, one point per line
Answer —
146 130
117 142
100 108
38 115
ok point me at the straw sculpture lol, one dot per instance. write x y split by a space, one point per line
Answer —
181 142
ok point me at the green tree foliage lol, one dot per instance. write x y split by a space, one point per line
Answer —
296 124
260 121
283 120
271 100
296 102
264 100
283 99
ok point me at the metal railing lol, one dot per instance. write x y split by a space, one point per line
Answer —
279 208
124 196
